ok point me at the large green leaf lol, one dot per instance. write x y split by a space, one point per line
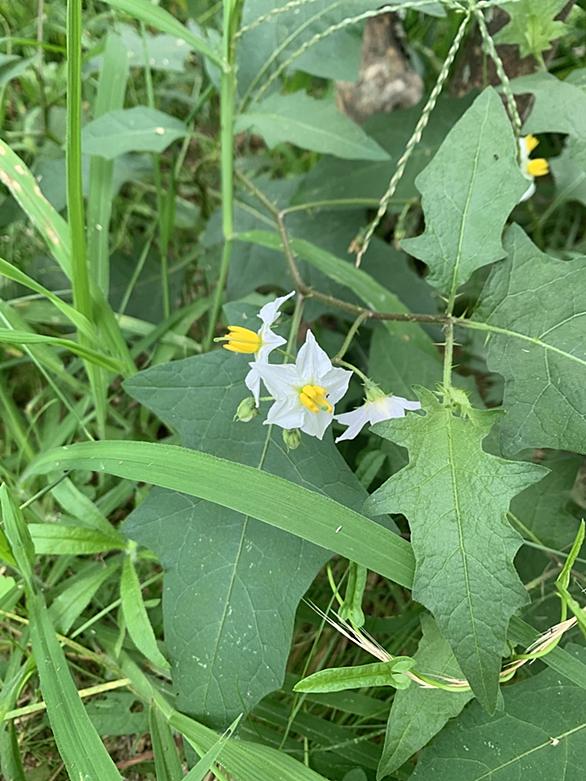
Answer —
469 189
558 106
417 714
540 735
230 580
455 497
137 129
532 27
534 309
310 124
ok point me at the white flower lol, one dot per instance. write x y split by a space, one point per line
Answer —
261 342
305 391
531 168
376 408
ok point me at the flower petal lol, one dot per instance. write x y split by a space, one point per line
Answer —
252 382
316 423
336 383
286 414
270 341
355 420
384 409
312 362
269 312
406 404
281 379
528 193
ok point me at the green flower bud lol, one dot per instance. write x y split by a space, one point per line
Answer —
292 438
372 392
246 410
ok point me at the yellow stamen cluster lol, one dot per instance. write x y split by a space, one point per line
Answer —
241 340
314 398
539 166
530 142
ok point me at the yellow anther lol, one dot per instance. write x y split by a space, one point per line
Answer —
241 340
538 167
314 398
530 143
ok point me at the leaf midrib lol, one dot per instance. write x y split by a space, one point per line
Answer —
518 758
456 501
454 285
483 326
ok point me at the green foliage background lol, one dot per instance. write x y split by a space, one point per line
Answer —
172 579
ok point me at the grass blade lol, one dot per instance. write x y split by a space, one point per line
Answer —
206 763
136 617
167 764
250 491
79 320
80 747
23 186
9 336
61 539
82 751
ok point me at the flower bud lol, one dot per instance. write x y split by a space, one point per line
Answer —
246 410
292 438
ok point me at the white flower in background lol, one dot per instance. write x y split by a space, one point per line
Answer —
376 408
305 391
261 342
531 168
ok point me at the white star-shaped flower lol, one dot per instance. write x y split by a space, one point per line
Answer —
531 168
376 408
261 342
306 391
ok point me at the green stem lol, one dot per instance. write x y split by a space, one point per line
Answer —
162 206
448 355
295 323
80 276
350 335
227 97
75 208
352 368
